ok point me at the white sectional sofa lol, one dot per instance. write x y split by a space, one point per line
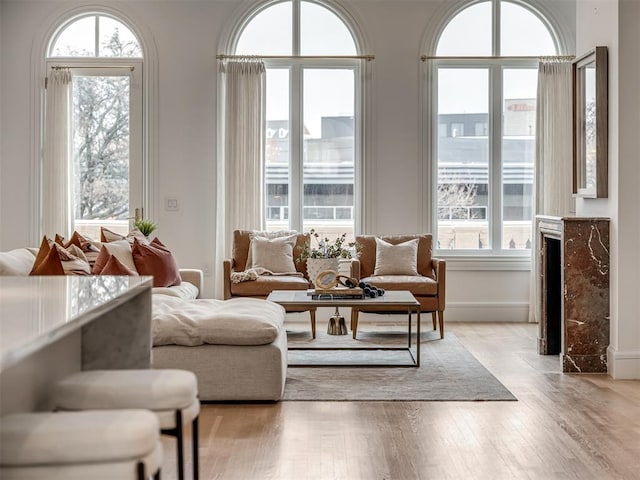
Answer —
237 348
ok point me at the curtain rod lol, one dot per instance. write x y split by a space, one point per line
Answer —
368 58
495 57
58 67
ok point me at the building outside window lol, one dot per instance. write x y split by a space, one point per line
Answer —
312 115
485 93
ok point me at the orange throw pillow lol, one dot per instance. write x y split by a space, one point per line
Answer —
45 248
115 267
50 265
156 259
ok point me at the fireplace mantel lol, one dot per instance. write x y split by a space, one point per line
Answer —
573 263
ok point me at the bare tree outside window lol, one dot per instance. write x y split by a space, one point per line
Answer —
101 141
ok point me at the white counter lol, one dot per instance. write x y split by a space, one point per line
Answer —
51 326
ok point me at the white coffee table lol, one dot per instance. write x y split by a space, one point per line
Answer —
391 300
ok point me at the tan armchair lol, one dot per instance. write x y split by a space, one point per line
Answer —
428 287
265 284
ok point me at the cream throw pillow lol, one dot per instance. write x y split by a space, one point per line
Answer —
401 259
268 235
121 249
275 255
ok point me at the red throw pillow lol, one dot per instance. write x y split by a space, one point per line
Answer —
115 267
101 261
156 259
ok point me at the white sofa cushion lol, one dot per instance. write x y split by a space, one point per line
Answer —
185 290
239 321
16 262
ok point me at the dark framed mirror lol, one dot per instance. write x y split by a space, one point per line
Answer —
590 124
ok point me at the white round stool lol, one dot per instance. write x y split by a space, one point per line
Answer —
107 444
171 394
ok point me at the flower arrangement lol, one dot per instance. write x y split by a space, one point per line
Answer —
339 248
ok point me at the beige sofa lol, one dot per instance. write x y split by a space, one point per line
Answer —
236 348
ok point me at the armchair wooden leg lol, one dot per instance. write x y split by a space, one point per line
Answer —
312 314
441 319
354 322
433 318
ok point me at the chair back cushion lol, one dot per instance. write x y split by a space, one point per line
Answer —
367 252
242 240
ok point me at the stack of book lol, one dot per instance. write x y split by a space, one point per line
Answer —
335 293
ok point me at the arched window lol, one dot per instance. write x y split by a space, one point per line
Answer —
485 86
95 35
313 119
105 59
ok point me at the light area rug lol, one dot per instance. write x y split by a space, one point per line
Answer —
447 372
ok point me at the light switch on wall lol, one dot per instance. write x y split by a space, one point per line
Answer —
171 204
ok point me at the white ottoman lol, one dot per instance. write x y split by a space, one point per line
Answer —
237 348
108 444
172 395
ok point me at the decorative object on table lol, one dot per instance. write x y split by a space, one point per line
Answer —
147 227
371 291
326 255
331 286
336 293
336 287
348 282
337 325
327 279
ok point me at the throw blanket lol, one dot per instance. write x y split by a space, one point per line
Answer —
254 273
239 321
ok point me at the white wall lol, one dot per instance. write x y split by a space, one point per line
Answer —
615 24
186 36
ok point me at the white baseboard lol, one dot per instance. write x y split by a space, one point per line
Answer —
623 365
487 312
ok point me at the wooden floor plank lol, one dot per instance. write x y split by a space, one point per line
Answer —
563 426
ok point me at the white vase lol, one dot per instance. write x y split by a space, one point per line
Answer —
317 265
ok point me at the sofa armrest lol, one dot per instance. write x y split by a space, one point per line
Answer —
227 269
354 269
194 276
440 269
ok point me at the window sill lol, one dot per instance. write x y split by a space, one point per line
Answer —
486 262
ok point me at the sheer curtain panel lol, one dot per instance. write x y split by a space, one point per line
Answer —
553 193
56 166
240 166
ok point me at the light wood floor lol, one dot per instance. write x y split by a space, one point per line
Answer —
562 427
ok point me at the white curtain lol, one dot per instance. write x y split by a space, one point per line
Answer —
240 195
553 182
57 206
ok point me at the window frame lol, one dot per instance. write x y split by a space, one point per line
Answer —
62 27
296 67
134 68
144 111
495 64
296 64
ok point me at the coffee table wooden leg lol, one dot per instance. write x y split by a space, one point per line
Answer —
354 322
312 314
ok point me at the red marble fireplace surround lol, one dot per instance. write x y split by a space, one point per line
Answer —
573 263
